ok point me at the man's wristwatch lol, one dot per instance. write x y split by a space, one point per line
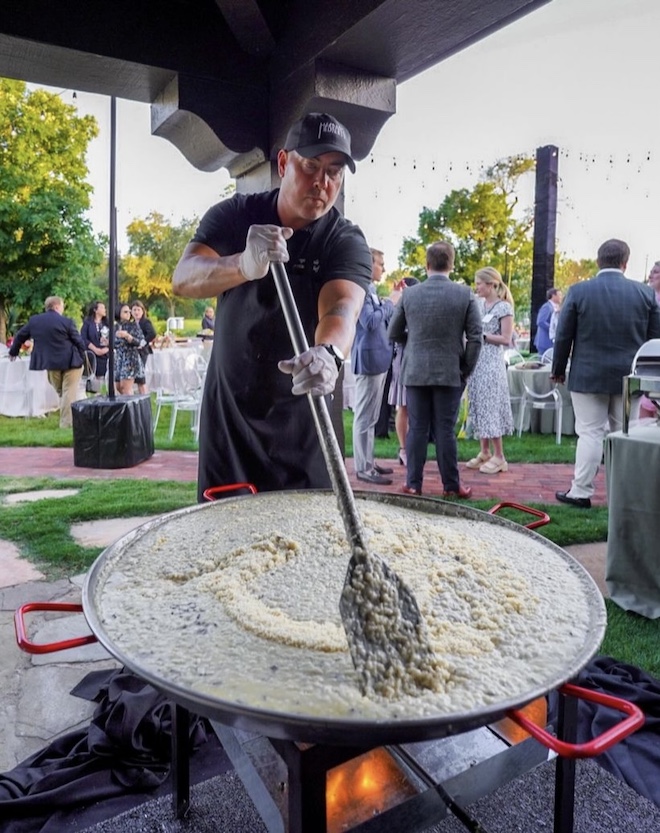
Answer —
336 354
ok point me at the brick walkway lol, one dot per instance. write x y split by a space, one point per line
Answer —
523 483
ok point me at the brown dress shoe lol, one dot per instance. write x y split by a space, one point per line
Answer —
463 492
407 490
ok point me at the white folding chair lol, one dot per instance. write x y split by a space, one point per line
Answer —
163 398
513 357
549 401
188 389
547 356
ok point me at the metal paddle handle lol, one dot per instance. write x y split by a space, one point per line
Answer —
324 428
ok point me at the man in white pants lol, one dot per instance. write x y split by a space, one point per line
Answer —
603 322
371 357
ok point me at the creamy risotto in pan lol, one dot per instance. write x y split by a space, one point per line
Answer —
240 601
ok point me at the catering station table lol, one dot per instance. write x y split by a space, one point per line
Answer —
112 433
538 381
25 392
632 464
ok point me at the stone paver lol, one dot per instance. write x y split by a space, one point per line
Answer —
13 568
104 533
593 558
29 497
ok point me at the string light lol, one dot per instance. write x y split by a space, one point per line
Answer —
436 178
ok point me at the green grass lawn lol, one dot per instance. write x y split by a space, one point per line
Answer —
45 431
41 529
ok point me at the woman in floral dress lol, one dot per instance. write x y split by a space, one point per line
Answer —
128 361
489 404
397 391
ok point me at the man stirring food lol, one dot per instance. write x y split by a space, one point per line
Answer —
256 427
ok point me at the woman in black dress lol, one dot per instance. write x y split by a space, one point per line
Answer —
208 321
95 332
139 313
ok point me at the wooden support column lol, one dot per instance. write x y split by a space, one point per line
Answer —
545 230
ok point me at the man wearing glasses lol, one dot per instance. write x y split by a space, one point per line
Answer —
256 427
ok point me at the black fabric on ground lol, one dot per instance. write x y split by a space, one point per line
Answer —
636 760
125 751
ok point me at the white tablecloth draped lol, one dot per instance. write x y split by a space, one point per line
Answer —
161 363
632 464
25 392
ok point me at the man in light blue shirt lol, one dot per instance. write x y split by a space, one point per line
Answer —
371 357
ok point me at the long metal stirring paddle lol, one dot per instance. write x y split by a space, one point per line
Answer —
384 627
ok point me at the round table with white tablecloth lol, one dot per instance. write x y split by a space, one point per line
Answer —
25 392
161 363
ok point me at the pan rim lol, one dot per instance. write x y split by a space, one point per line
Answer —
346 730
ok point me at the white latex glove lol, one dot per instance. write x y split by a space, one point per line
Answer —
314 371
263 244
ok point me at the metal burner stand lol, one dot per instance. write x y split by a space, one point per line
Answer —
286 780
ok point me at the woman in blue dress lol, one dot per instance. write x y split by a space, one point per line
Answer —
128 361
489 403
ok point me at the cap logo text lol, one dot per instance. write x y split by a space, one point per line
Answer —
331 127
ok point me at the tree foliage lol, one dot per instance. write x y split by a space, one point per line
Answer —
486 226
568 272
155 247
47 246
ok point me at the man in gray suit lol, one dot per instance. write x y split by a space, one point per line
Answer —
603 322
440 324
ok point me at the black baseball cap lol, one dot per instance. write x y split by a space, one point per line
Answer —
318 133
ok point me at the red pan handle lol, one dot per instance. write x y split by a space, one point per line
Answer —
545 518
49 647
597 745
213 491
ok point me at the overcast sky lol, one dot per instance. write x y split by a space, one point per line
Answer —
579 74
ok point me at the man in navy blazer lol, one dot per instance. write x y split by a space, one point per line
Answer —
371 357
440 324
59 349
603 322
542 339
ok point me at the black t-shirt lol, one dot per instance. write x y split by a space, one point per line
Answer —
253 428
149 333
